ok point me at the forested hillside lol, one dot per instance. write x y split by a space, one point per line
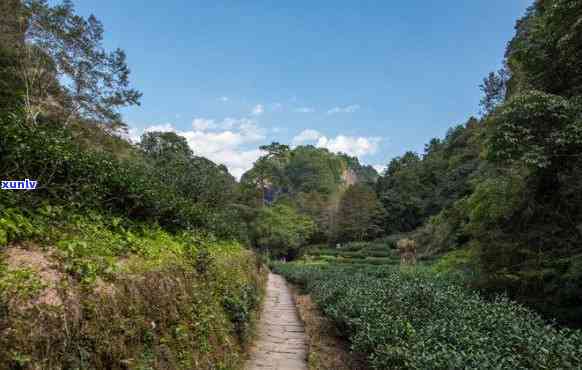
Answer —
505 188
123 256
146 256
500 193
321 186
494 212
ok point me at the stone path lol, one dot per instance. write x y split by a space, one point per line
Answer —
281 342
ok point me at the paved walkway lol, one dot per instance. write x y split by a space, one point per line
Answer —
281 342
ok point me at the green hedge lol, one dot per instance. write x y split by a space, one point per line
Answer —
418 320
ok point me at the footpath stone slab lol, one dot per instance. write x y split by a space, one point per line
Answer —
281 342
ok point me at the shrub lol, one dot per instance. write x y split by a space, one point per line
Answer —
87 179
414 319
134 296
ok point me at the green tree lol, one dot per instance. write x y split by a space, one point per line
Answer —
400 190
197 179
360 215
494 89
525 213
281 231
314 169
11 86
537 129
62 58
318 207
165 146
546 52
414 188
276 151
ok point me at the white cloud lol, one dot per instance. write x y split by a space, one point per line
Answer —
258 110
224 99
165 127
305 110
346 109
354 146
380 168
238 161
351 145
306 136
223 142
133 135
203 124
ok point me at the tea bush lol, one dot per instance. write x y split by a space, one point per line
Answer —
414 319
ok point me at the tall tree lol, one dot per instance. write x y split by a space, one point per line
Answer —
276 150
525 215
318 207
494 89
360 214
165 146
314 169
11 86
63 64
281 231
546 52
197 179
400 190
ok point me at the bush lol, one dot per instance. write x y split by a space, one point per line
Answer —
134 295
87 179
414 319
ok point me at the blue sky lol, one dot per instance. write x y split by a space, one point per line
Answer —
371 78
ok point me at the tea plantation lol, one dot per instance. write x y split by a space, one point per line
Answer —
416 319
354 253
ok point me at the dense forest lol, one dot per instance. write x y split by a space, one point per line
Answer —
507 186
501 192
121 242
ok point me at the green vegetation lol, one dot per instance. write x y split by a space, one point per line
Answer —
313 181
127 294
506 188
494 207
359 253
125 256
133 255
138 187
415 319
359 215
63 67
281 231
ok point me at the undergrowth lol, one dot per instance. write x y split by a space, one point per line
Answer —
134 296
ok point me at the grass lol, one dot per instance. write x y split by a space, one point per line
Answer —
128 295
